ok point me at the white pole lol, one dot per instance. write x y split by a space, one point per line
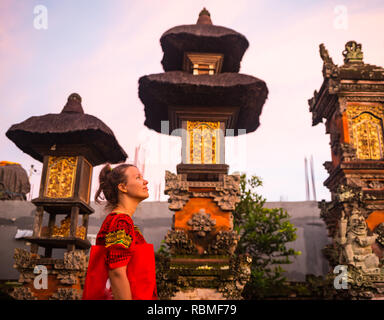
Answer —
306 179
313 180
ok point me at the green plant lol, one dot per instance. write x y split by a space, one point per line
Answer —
163 249
264 234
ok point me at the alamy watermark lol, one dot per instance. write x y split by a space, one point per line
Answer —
40 20
341 280
341 20
41 280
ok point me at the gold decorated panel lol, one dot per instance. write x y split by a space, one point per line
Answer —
365 127
61 174
203 142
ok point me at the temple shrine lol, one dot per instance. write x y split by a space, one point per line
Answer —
202 98
69 144
351 100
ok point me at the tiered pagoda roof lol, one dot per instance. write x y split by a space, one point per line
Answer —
70 127
225 88
202 37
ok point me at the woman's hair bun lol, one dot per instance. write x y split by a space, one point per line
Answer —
109 179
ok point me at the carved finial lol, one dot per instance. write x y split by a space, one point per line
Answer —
75 96
324 54
352 52
73 104
204 17
204 11
330 70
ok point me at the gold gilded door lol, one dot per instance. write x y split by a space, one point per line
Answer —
204 143
368 136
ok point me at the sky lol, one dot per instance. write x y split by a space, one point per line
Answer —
99 49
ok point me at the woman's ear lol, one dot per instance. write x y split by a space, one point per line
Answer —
122 187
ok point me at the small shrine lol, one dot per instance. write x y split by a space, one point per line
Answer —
14 182
351 100
69 144
202 97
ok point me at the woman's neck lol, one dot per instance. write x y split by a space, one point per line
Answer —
126 205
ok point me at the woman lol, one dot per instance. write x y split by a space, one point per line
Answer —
121 253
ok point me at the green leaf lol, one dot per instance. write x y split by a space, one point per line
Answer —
264 234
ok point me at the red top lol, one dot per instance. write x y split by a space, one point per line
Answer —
119 239
119 243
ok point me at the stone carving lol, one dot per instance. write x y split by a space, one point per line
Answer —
345 197
66 294
334 85
75 260
226 193
379 230
331 253
240 267
363 286
347 151
330 70
353 87
366 99
225 243
229 284
352 52
70 271
165 287
367 181
22 293
324 54
349 194
201 223
374 184
328 166
177 191
23 258
67 278
357 250
179 242
26 275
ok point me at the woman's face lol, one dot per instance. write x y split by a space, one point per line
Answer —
136 185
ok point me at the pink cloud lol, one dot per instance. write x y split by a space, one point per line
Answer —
13 39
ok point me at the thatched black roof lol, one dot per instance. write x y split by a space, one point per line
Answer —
71 126
178 88
202 38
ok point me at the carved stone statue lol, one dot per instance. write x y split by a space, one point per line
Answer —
357 250
352 52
